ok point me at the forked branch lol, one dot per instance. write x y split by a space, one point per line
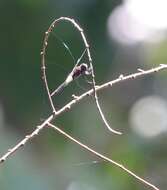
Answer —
76 100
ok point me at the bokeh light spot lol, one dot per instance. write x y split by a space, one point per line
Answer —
138 21
148 116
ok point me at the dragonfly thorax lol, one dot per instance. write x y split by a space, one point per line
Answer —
79 70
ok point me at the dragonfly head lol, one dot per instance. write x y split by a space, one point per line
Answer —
80 70
85 69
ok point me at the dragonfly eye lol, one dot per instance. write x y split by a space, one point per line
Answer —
83 67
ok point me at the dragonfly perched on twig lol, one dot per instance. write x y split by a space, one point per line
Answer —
77 71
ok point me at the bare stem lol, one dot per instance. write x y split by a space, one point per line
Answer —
26 139
105 158
76 100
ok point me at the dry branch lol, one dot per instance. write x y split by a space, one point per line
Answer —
76 100
44 76
102 156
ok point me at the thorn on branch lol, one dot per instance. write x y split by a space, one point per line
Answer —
141 70
88 94
68 107
22 144
38 127
74 96
2 160
87 46
163 65
43 67
121 76
133 76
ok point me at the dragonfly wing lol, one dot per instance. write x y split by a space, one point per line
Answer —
59 89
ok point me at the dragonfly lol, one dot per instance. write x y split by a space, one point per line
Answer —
78 70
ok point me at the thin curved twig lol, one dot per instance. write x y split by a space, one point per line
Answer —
43 52
43 68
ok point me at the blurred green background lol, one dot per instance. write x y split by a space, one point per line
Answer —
138 108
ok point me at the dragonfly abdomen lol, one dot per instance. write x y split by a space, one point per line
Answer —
59 89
